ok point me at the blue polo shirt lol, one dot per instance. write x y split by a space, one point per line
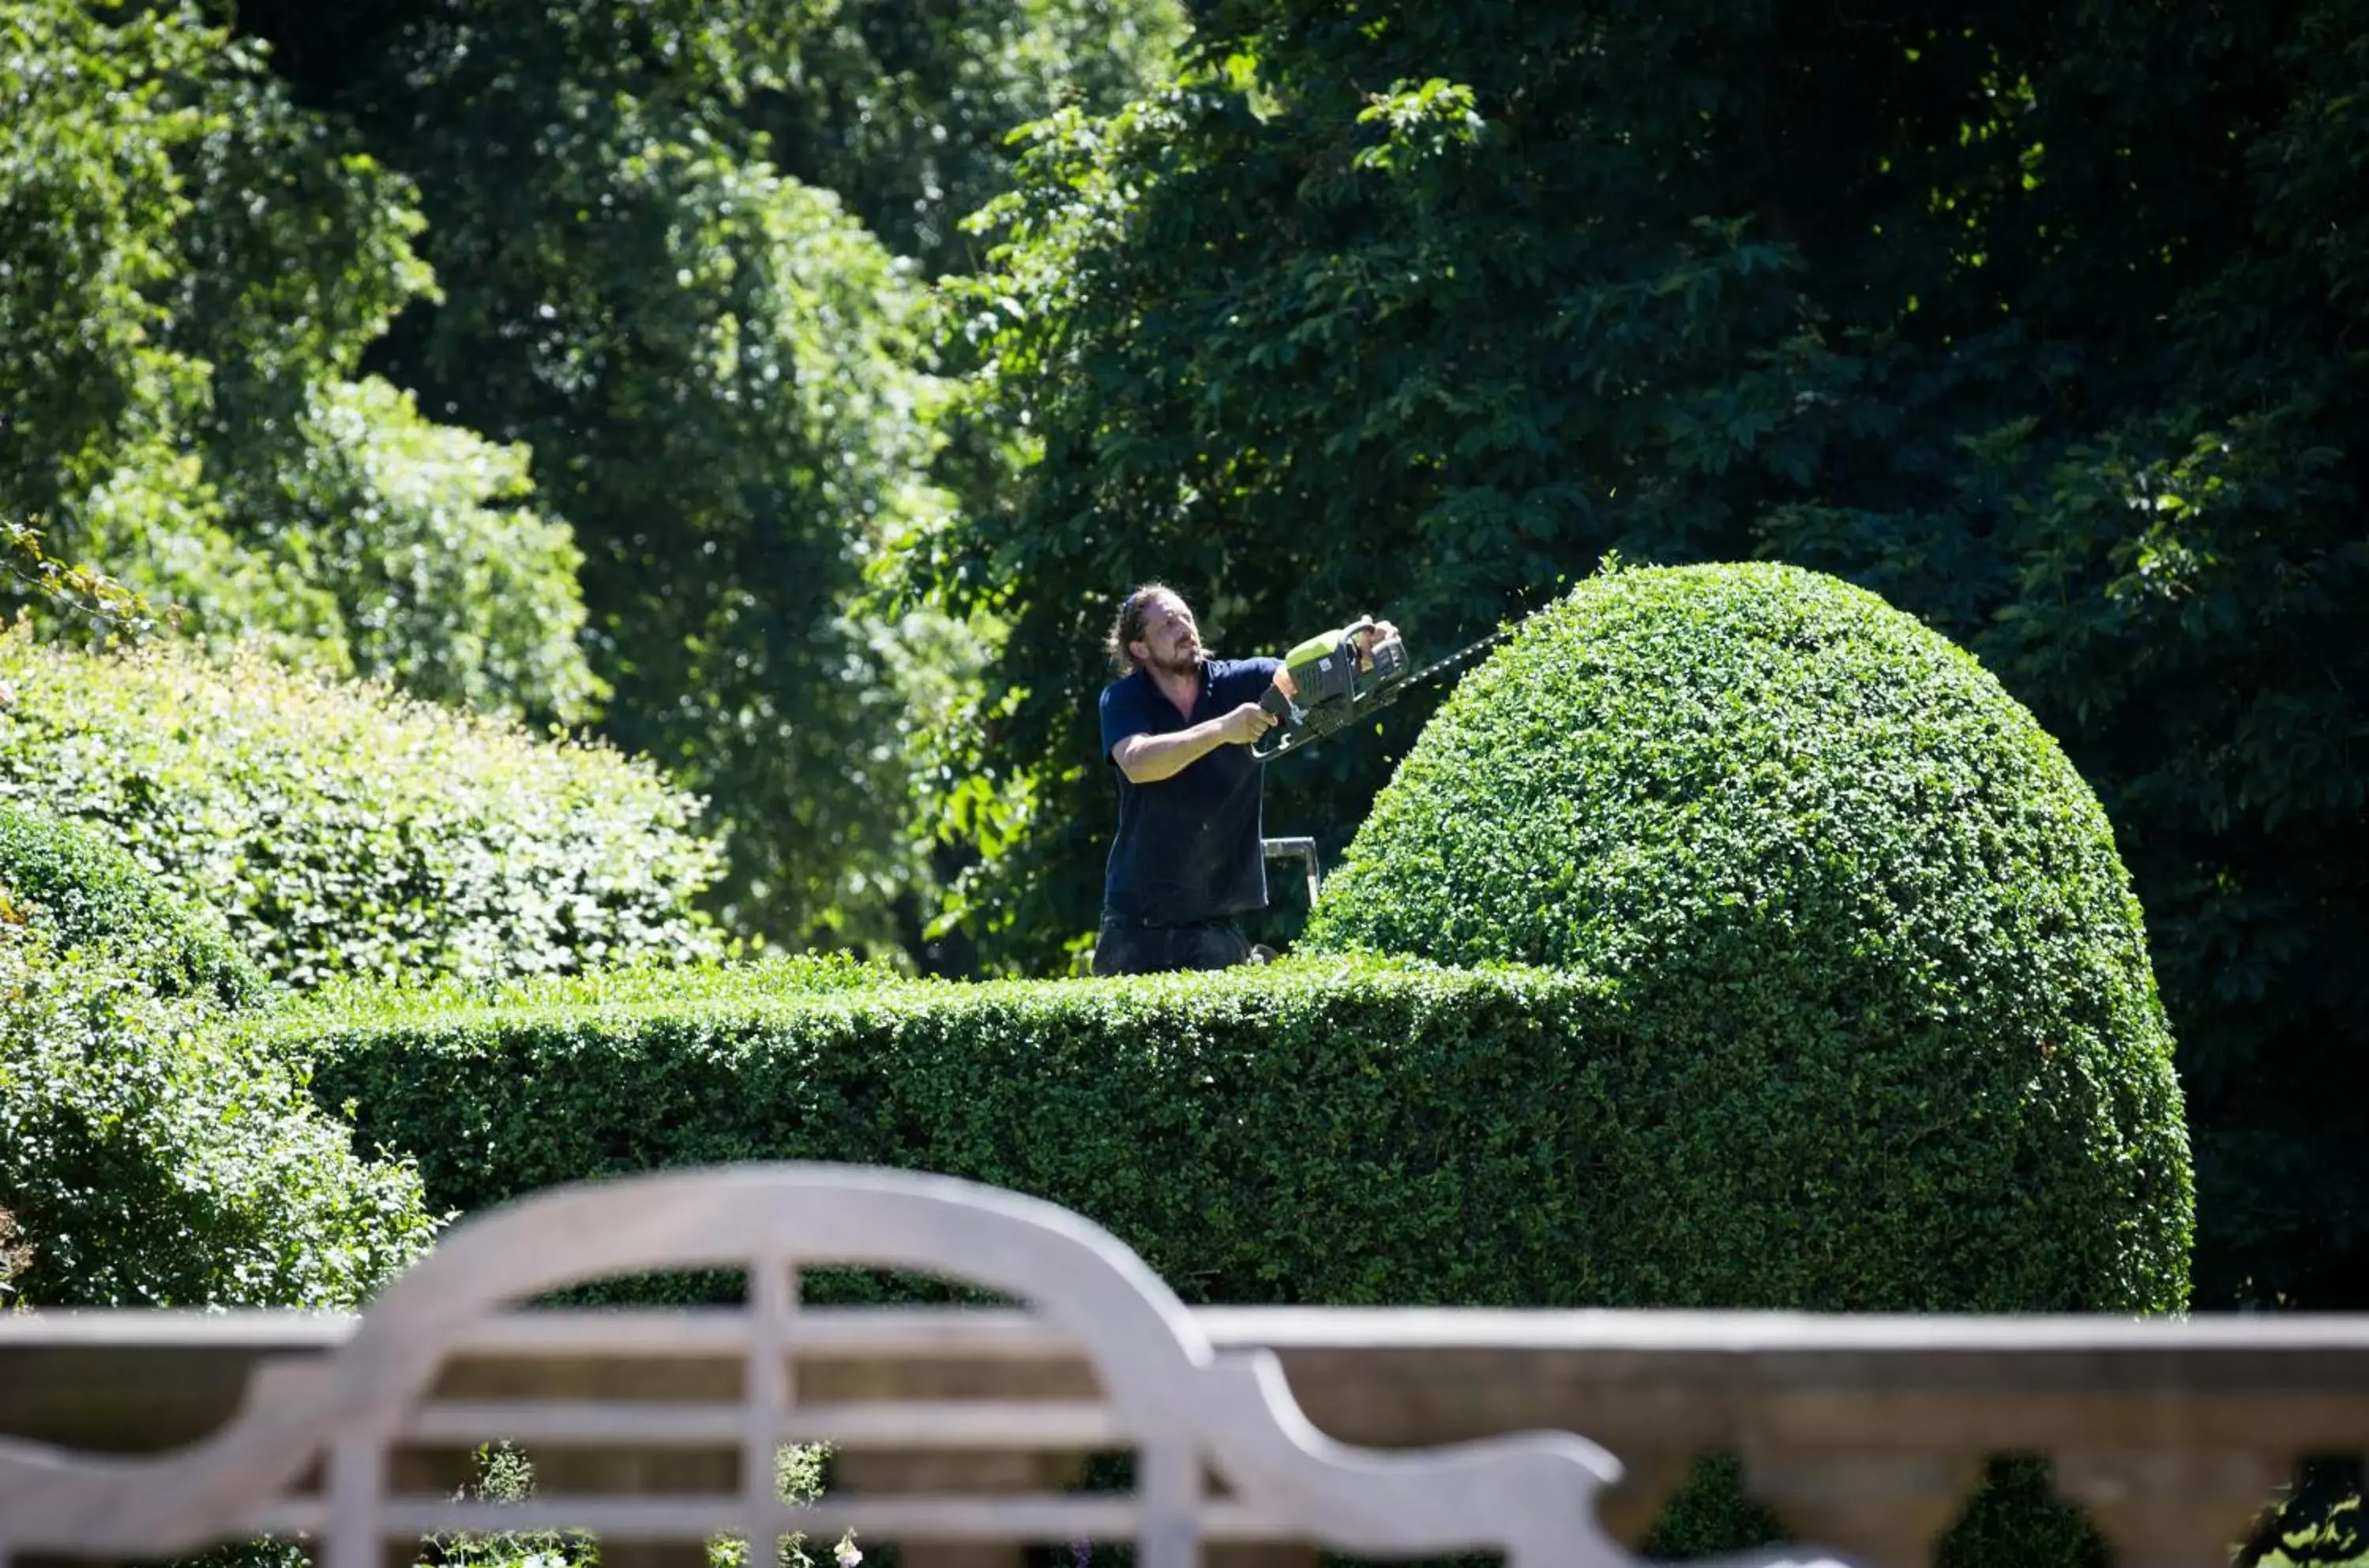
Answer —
1188 846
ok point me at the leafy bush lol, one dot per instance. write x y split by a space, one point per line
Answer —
155 1161
152 1160
340 830
88 894
1865 925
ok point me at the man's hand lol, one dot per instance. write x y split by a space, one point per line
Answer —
1369 638
1245 725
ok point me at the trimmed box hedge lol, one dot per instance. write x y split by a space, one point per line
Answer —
1295 1134
1861 915
1345 1130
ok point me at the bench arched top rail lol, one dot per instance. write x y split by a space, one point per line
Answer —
1187 1410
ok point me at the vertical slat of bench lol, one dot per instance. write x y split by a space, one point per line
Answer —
765 1396
1169 1485
356 1488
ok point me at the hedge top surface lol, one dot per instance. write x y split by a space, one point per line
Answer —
796 990
656 986
1859 902
88 894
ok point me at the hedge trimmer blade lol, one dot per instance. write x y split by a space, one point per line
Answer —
1315 724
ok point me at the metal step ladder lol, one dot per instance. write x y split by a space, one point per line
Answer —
1302 850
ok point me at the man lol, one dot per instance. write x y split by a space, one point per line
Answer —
1178 726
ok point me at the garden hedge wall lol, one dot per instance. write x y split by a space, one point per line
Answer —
339 830
1801 974
1345 1130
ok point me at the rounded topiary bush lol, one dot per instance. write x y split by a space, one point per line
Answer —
1889 1037
151 1158
87 894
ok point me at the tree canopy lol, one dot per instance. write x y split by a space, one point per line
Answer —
195 265
2047 323
648 225
536 357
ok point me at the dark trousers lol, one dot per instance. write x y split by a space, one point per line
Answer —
1129 947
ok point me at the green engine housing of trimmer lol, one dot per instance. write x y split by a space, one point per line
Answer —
1331 682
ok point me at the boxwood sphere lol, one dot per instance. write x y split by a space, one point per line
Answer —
1890 1038
87 894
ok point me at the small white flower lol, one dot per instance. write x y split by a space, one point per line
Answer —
848 1556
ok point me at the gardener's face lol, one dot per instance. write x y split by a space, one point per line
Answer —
1171 643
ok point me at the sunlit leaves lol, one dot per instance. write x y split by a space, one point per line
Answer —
148 1159
193 269
342 830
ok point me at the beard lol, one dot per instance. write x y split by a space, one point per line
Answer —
1179 664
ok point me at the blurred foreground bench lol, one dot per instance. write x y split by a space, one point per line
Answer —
1257 1435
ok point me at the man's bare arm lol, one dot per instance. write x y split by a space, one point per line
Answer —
1148 759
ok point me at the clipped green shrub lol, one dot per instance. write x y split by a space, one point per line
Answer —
14 1256
1333 1130
1351 1131
87 894
153 1159
1895 1041
340 830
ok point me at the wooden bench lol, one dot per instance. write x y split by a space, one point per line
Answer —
659 1430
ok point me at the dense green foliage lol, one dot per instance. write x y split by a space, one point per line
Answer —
91 896
1343 1131
340 830
2045 322
644 219
1834 873
906 106
193 266
147 1158
324 320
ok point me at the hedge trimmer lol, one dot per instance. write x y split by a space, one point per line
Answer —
1331 680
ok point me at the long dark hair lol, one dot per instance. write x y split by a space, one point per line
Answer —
1126 626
